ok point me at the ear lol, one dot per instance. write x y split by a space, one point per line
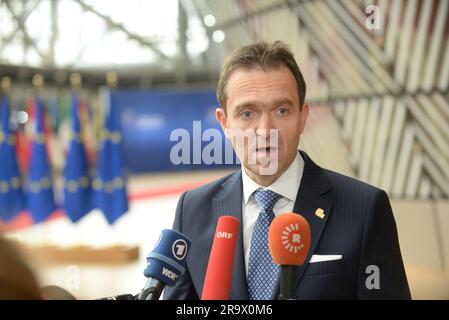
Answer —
220 115
303 117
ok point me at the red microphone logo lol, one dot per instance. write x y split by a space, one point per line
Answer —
291 238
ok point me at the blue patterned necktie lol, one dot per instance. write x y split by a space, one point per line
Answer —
262 271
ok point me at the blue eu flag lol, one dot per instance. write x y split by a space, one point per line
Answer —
11 194
77 190
40 198
109 185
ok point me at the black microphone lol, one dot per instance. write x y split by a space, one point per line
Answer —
56 293
120 297
165 264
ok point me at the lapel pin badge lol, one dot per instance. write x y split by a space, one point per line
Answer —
320 213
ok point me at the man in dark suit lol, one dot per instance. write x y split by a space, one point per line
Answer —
354 252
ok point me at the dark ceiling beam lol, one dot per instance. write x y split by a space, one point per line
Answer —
22 28
23 17
120 27
133 77
223 25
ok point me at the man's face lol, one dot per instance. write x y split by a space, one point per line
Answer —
266 104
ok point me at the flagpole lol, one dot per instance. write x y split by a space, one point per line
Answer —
76 82
41 200
12 201
112 80
110 183
75 88
38 82
6 85
112 84
40 228
46 238
76 176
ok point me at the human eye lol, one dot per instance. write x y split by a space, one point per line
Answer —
282 111
246 114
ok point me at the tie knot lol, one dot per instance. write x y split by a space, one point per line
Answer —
266 199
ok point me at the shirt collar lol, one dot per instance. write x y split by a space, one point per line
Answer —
286 185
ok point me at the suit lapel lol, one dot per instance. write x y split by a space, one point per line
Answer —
311 196
229 202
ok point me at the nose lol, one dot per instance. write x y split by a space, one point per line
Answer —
267 131
264 125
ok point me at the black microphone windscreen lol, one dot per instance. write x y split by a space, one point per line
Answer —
56 293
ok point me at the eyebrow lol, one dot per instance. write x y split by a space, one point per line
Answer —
283 101
243 105
253 103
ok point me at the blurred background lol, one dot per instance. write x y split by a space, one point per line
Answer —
93 91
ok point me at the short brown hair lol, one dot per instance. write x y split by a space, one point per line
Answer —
263 55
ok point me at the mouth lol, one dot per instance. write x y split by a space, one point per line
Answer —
266 149
266 156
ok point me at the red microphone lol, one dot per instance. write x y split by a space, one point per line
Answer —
289 243
217 284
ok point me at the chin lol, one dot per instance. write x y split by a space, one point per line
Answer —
267 170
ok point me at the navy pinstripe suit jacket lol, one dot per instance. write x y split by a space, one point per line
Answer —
358 224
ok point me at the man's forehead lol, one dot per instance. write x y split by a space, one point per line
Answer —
252 88
263 101
257 72
259 82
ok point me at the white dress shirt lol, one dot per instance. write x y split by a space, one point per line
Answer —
286 185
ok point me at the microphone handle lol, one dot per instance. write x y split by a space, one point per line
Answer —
152 291
288 282
120 297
